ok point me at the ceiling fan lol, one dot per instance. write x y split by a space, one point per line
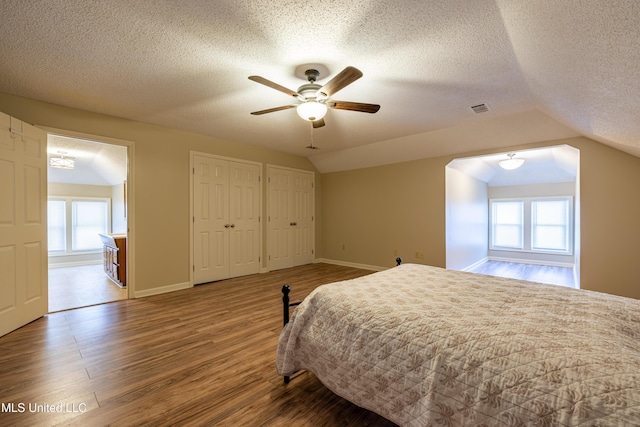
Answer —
315 99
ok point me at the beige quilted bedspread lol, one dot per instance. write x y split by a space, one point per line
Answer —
424 346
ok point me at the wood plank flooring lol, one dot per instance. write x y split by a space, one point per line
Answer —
552 275
202 356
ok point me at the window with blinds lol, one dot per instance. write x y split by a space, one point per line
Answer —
532 224
74 224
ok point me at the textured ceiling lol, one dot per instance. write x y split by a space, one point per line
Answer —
95 163
547 69
541 166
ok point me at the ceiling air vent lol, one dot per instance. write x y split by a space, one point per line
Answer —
480 108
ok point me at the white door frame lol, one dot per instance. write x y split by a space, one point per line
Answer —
130 195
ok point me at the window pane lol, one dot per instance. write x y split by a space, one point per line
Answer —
507 224
56 225
89 219
550 225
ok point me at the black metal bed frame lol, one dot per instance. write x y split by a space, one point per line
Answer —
285 314
286 304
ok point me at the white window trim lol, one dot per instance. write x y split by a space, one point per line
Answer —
528 225
492 231
69 223
570 230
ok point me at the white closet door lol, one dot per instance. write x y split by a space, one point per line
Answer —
211 219
280 186
244 217
291 218
302 214
23 224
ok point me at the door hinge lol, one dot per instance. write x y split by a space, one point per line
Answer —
313 251
194 268
15 133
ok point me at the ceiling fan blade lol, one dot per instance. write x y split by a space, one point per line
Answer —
271 110
354 106
340 81
275 86
318 123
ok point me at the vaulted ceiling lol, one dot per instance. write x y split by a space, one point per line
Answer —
546 69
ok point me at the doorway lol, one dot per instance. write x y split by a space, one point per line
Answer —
87 197
547 185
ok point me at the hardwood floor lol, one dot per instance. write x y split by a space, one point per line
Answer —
202 356
73 287
562 276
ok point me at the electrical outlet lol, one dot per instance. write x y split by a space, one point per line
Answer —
344 247
419 255
395 252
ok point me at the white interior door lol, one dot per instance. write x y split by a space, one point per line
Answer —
302 230
291 218
244 217
211 219
23 223
280 221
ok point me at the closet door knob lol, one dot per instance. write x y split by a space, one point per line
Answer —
232 226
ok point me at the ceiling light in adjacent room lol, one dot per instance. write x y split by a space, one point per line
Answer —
311 110
511 163
62 162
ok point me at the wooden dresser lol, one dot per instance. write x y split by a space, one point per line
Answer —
115 257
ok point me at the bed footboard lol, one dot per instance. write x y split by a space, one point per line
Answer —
286 304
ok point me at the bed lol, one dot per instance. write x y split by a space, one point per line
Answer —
426 346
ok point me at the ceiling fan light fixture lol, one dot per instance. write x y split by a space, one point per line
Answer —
511 163
311 110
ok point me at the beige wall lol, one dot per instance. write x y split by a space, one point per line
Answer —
78 190
161 180
364 215
371 212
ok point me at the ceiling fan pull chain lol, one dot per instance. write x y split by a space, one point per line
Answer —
311 146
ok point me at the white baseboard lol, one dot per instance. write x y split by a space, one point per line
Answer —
532 261
475 264
350 264
162 290
74 263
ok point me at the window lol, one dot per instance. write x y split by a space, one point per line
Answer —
550 225
89 219
507 224
74 223
56 226
532 224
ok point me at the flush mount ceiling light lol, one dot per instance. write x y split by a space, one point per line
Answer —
511 163
62 162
